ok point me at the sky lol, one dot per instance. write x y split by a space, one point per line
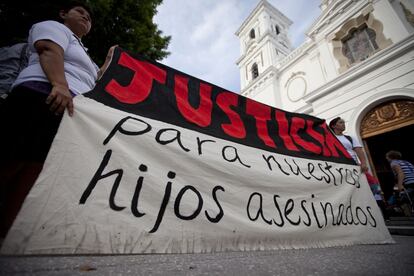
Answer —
204 43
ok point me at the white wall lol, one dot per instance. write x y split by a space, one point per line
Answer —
314 69
384 82
394 28
318 66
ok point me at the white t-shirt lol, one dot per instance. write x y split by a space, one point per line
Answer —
80 70
348 146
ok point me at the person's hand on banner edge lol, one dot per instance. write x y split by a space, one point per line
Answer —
60 96
364 168
361 156
59 99
107 61
51 58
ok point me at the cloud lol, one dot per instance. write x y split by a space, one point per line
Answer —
212 22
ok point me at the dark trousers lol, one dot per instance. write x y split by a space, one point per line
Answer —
383 208
27 131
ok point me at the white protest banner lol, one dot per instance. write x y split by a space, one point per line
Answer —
155 161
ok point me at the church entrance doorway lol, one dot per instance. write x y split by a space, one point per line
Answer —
388 126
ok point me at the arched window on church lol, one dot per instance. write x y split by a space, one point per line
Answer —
255 71
359 44
277 29
252 34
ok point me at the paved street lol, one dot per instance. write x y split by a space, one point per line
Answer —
396 259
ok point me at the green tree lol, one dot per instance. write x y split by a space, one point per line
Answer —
128 23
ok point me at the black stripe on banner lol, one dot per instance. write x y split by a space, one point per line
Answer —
150 89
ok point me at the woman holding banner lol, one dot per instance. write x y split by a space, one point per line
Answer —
59 68
351 144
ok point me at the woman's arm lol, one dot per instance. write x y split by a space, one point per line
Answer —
361 156
107 61
51 60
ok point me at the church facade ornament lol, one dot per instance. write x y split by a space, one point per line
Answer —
340 48
408 14
386 117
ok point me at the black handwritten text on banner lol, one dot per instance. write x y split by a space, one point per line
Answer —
155 161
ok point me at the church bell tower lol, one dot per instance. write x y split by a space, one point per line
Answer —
263 43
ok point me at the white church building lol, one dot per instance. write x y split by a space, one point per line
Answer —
357 62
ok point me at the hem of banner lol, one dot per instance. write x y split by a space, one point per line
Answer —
84 251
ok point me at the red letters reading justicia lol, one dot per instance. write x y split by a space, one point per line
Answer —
294 133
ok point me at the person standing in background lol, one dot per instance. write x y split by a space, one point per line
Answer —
403 171
404 180
350 143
